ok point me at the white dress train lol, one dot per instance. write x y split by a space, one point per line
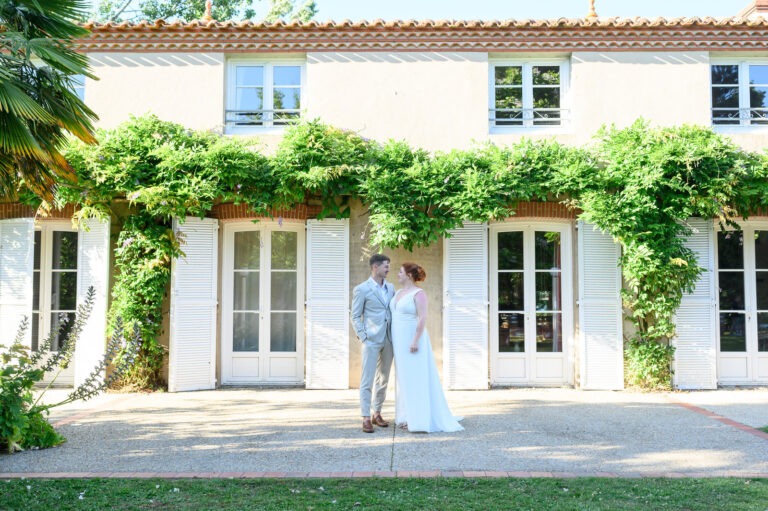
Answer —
420 401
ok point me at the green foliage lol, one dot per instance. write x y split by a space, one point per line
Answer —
37 105
639 184
649 364
23 420
222 10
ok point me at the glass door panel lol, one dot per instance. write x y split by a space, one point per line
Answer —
761 287
511 292
246 288
730 251
284 280
549 332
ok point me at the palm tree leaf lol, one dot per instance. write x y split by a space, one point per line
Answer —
14 100
16 139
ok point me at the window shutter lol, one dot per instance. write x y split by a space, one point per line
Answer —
696 319
16 269
327 304
192 361
465 308
600 311
92 270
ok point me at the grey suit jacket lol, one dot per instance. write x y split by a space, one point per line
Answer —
370 312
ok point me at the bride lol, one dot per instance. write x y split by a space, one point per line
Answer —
420 404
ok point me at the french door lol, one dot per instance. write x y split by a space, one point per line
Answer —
54 294
263 304
531 304
742 272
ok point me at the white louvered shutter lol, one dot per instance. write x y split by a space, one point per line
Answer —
465 308
695 362
192 360
17 238
92 270
600 311
327 304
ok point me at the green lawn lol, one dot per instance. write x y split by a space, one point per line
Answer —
385 494
764 429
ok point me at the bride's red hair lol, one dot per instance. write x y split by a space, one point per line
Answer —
414 271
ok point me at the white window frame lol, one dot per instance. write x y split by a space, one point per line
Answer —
268 65
527 65
745 123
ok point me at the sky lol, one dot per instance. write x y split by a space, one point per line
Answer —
520 9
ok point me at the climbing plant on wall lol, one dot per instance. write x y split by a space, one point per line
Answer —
640 184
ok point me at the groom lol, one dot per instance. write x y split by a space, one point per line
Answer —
371 319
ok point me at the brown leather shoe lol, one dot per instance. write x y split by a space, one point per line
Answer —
367 426
379 421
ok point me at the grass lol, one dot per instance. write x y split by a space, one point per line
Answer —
764 429
384 494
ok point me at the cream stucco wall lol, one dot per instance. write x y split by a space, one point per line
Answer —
436 101
187 88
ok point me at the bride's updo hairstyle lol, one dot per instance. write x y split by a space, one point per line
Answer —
415 271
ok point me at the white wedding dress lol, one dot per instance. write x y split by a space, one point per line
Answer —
419 401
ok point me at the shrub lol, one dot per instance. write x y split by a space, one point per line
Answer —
23 419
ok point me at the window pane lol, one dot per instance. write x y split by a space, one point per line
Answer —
247 250
511 291
546 98
35 327
511 332
730 250
725 75
725 97
546 75
64 250
761 282
758 75
36 263
246 296
549 335
67 320
731 290
761 250
762 332
284 291
284 249
508 75
509 98
249 99
245 335
510 250
285 98
64 291
757 97
514 118
283 332
547 250
287 75
732 337
548 297
249 75
36 290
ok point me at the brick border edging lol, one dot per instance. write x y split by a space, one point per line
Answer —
401 474
712 415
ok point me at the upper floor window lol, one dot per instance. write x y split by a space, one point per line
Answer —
263 95
528 94
740 94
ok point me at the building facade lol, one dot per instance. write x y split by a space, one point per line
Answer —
531 300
